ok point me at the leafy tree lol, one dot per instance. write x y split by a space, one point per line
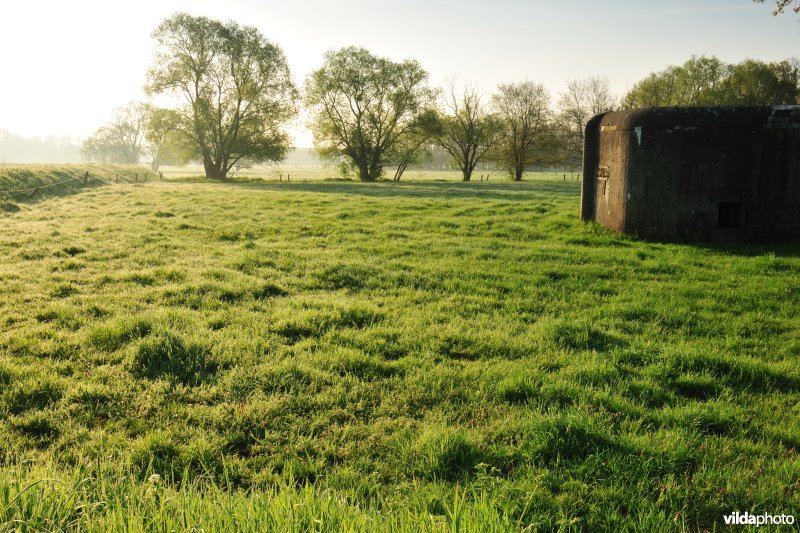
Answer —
362 106
414 148
527 135
696 82
237 89
165 143
122 139
583 100
753 82
781 5
709 81
655 90
468 130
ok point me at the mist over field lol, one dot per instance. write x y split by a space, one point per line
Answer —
17 149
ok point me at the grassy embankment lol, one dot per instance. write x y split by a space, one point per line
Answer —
26 184
415 355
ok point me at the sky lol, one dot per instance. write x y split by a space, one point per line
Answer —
66 65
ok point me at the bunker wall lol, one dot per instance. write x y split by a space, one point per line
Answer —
711 174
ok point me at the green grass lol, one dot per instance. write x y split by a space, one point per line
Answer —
282 172
22 185
415 355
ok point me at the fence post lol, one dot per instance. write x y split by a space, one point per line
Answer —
287 176
161 176
136 177
85 178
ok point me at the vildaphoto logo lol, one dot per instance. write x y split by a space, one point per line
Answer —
758 520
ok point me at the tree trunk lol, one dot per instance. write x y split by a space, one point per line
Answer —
467 174
518 173
399 172
214 171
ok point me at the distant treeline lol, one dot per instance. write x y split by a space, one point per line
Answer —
373 117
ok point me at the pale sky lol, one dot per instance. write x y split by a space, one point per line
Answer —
67 64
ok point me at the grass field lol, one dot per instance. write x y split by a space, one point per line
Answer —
419 355
280 173
31 183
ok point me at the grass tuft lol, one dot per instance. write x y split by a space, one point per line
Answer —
171 355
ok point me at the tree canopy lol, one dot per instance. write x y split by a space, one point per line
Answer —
361 106
236 86
164 141
708 81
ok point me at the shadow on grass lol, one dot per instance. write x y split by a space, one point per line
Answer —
742 249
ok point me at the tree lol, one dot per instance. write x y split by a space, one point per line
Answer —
362 106
528 135
237 89
696 82
780 5
704 81
583 100
753 82
468 130
415 147
121 140
164 141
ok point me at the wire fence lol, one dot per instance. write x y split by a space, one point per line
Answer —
32 191
5 195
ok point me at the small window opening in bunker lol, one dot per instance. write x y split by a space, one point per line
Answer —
728 215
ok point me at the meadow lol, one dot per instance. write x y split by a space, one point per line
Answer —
421 355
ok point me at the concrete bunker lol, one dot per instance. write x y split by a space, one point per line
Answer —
695 173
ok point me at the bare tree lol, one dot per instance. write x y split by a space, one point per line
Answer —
528 136
583 99
468 130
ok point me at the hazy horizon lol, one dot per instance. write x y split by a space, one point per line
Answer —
72 65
